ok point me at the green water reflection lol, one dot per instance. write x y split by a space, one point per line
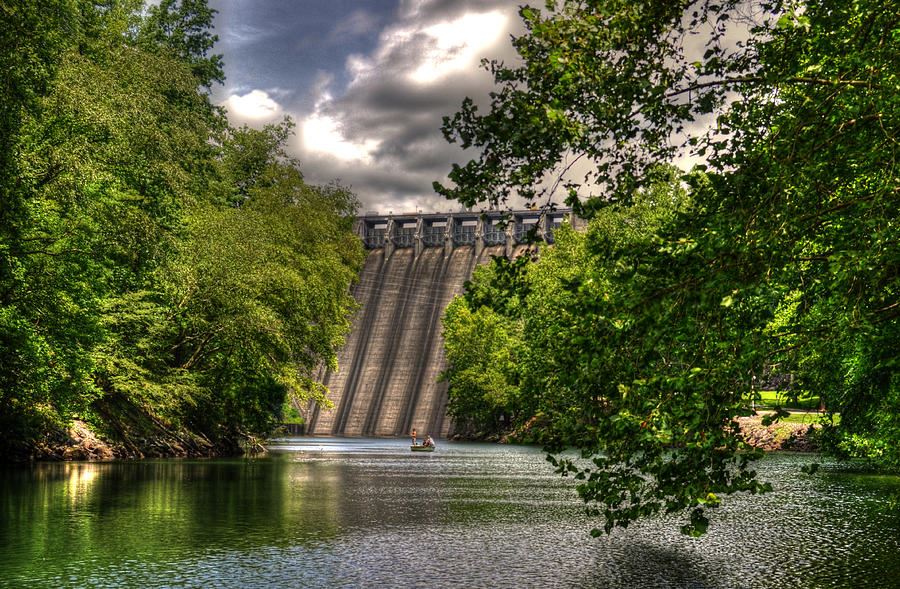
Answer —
146 507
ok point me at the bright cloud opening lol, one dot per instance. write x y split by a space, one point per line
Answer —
458 45
256 105
322 133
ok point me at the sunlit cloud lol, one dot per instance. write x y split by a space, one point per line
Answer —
322 134
458 45
256 105
426 52
371 116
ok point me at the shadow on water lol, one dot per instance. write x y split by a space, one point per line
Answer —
644 564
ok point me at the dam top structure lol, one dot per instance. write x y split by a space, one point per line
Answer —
450 230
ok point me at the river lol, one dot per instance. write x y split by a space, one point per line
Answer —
369 513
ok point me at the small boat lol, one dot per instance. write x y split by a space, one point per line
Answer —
418 448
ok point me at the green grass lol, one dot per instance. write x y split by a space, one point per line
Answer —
776 398
802 418
808 418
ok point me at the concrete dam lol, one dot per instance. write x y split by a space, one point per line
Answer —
387 378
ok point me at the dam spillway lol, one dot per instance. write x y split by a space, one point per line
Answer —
386 383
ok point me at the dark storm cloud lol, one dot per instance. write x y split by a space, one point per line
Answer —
285 44
397 96
360 22
398 190
428 159
368 83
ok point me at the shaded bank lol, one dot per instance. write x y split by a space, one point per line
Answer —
790 436
79 441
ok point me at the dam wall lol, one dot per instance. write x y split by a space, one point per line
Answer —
386 383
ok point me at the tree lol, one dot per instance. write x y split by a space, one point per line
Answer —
162 276
787 259
482 353
247 155
34 37
104 161
183 27
260 292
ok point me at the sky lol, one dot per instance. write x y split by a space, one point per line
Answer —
366 82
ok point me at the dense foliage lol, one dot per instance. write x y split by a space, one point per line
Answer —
782 256
161 274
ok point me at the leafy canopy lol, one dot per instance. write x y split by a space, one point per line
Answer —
785 261
162 275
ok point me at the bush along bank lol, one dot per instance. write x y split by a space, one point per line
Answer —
786 436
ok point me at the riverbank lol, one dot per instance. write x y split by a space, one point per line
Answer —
80 442
782 435
795 437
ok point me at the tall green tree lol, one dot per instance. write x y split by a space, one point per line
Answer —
34 37
104 163
482 352
261 290
164 277
787 259
184 28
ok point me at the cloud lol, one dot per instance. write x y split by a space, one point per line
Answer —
458 45
254 106
322 134
380 134
238 34
368 87
357 23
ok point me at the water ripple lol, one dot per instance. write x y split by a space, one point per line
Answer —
368 513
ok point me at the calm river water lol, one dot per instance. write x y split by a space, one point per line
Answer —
368 513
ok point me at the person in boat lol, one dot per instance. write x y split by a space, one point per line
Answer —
428 443
415 441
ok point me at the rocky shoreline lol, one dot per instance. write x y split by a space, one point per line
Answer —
80 442
780 436
794 437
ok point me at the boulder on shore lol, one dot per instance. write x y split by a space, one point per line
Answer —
796 437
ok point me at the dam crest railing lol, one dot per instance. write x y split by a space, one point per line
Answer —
451 230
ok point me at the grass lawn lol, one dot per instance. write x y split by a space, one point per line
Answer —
776 398
803 417
810 418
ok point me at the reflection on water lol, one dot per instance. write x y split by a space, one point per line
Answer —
369 513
